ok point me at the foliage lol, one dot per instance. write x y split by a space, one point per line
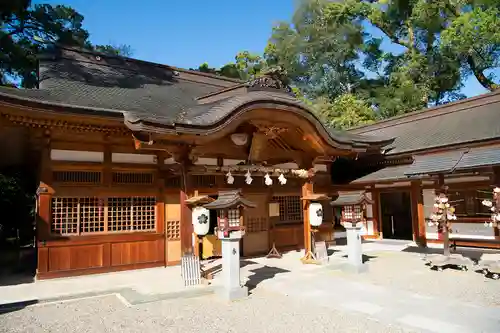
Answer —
344 112
17 197
26 30
245 67
396 56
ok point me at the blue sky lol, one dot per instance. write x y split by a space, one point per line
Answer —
187 33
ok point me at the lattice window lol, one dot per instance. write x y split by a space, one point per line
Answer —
120 214
204 181
173 230
348 212
353 212
290 208
233 217
74 216
135 178
143 213
77 177
256 224
173 182
92 215
131 214
65 216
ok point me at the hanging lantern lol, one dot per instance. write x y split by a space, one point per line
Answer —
230 178
315 214
201 220
267 180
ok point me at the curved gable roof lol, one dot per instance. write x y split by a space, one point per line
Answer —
157 97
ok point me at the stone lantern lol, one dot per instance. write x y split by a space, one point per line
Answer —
230 229
353 216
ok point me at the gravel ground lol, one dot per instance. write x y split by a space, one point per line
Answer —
407 271
261 312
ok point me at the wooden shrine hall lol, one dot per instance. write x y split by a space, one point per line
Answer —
122 144
125 150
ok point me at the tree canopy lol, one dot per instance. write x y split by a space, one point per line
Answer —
361 60
25 30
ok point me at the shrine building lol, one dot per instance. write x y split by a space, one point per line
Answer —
123 148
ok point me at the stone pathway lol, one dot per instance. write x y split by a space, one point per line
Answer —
426 313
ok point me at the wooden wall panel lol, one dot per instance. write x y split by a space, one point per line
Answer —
134 253
173 252
256 243
290 236
76 257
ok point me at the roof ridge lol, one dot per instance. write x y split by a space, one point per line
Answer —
426 113
145 62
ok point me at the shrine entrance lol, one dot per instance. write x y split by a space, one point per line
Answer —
395 210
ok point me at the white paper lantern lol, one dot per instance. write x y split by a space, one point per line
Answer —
201 220
315 214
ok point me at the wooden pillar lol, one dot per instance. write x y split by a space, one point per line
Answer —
160 204
376 211
417 213
307 190
44 203
186 223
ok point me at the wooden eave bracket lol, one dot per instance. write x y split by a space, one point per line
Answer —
316 197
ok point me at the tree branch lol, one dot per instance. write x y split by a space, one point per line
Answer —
478 73
391 36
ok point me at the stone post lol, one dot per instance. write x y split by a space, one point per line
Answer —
354 252
231 288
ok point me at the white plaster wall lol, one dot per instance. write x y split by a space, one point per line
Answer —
76 155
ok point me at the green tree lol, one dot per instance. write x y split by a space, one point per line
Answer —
245 67
344 112
26 30
331 45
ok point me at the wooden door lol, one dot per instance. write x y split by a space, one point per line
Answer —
256 239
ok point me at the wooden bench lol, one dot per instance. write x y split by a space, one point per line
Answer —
454 241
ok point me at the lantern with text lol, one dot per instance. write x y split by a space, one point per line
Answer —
353 206
230 206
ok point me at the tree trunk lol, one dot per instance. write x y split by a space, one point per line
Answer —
446 242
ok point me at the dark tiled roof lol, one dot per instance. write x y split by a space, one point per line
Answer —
154 97
470 120
388 174
351 198
479 157
434 163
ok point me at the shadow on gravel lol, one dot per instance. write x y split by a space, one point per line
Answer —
11 307
365 258
261 274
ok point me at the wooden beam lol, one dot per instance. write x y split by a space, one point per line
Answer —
257 147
